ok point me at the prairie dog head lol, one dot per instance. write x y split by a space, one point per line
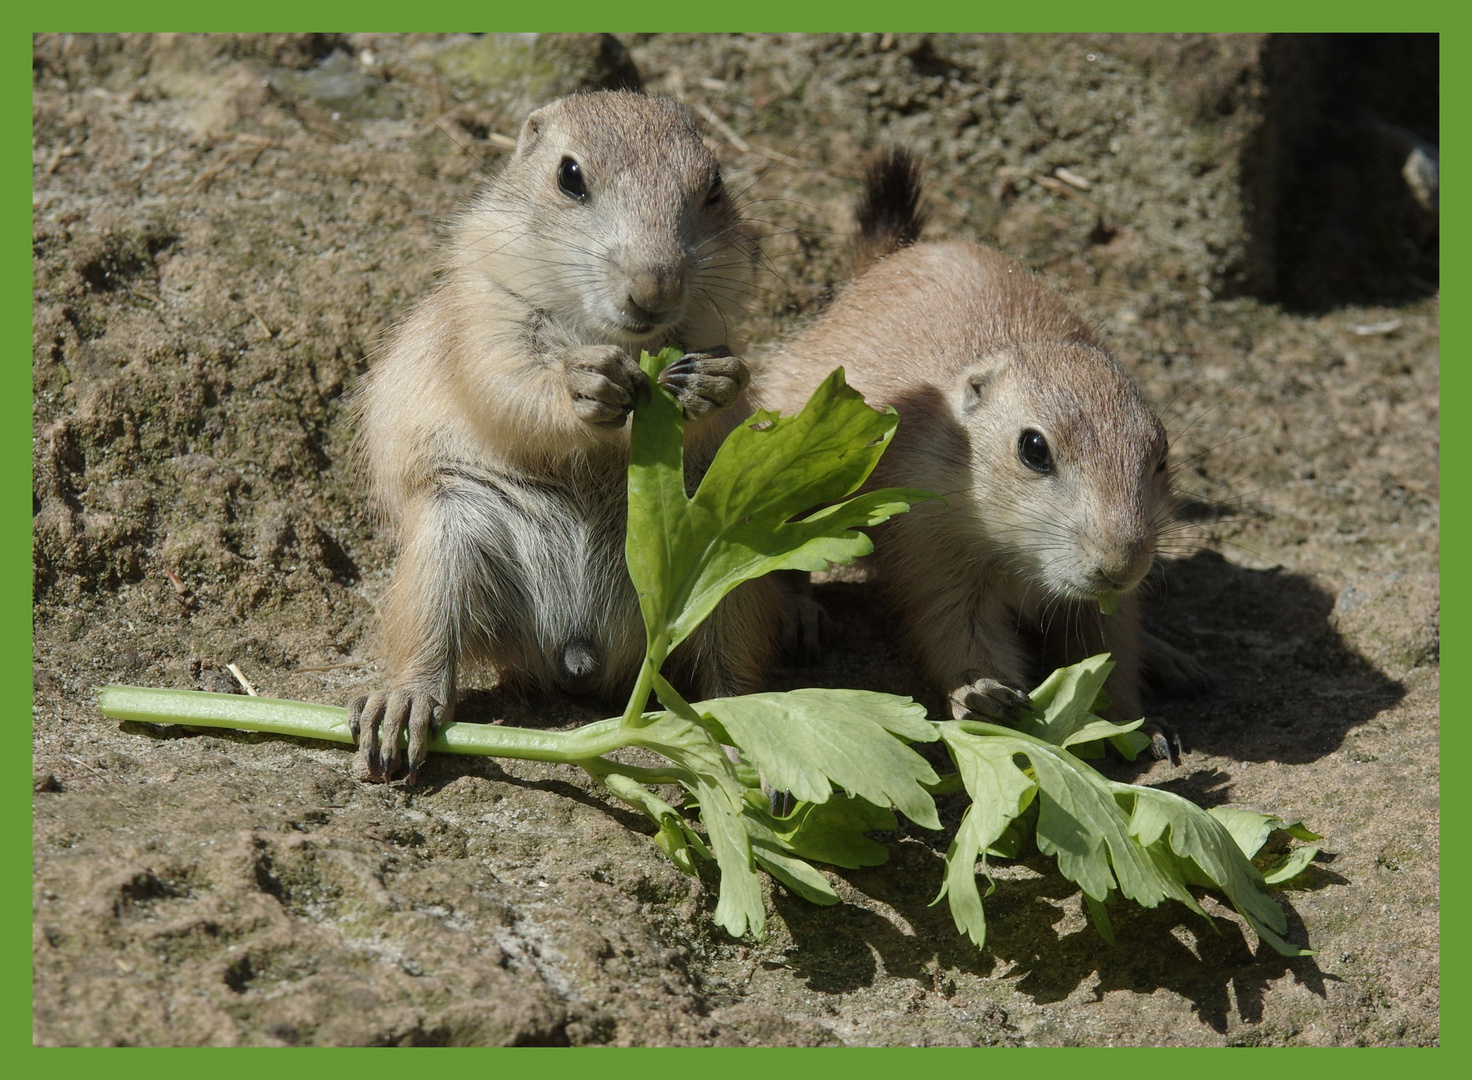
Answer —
1068 466
612 216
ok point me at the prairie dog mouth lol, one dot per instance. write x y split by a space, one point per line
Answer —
634 319
637 335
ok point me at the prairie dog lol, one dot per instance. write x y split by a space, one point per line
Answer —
1053 469
493 425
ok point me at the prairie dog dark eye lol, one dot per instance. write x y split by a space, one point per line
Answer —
717 189
570 179
1032 451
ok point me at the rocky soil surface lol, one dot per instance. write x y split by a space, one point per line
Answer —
223 229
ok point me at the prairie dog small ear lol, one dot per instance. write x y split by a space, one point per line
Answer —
978 382
531 131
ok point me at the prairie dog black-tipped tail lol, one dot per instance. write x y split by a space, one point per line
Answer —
890 212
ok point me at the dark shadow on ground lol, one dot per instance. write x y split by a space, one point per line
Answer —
1168 947
1288 688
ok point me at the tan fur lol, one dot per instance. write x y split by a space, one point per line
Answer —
972 351
493 425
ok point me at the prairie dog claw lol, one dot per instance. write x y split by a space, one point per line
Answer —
705 381
379 721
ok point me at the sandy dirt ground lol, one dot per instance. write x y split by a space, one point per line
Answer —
225 227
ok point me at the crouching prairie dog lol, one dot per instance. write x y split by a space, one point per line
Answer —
493 424
1054 471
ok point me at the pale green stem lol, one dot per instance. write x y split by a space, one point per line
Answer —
601 768
634 793
194 708
583 747
637 795
653 658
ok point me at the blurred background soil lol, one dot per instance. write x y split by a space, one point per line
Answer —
224 227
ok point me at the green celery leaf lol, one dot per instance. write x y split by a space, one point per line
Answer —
1064 702
722 797
830 832
1301 831
795 874
1081 823
1065 710
655 545
1251 829
806 741
1097 911
1289 865
972 840
1212 856
1000 791
674 836
1247 827
1080 820
1009 844
740 906
685 554
672 841
1130 744
1097 730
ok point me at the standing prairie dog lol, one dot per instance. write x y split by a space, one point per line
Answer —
493 425
1053 470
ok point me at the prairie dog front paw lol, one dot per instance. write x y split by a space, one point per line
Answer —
705 381
378 721
603 381
986 699
1172 670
